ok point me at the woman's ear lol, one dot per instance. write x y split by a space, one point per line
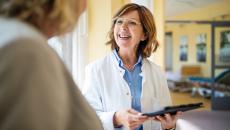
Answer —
144 37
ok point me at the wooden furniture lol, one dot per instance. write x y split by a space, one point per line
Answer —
182 84
191 70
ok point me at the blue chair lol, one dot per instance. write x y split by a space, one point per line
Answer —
221 83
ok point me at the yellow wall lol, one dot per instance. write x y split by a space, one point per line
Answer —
158 12
212 12
116 5
190 30
99 20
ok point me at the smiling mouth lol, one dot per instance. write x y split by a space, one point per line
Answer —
124 36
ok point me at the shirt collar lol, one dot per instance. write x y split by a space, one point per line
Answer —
115 52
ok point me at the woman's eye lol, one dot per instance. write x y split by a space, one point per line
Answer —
132 23
119 22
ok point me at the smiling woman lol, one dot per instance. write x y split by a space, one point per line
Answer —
121 86
147 24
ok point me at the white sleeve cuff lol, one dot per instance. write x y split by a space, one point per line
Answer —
107 119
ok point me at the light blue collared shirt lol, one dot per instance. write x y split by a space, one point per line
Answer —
134 80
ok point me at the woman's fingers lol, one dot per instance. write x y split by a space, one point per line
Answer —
168 121
132 111
160 118
135 118
179 114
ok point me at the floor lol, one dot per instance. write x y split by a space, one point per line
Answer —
185 98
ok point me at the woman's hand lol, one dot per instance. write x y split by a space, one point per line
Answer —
130 118
168 121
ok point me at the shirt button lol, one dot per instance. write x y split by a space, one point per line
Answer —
127 93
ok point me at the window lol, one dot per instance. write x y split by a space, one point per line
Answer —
72 48
146 3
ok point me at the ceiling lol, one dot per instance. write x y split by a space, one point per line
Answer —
177 7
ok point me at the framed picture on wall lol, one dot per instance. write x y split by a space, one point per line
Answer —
201 51
225 46
183 48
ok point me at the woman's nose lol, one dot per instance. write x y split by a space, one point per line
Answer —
124 25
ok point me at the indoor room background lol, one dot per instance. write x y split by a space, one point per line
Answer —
186 30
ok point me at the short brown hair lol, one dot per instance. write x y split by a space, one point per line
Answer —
61 13
147 46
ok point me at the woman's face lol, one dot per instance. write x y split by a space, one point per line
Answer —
128 31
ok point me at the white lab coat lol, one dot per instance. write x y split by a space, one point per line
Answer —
107 91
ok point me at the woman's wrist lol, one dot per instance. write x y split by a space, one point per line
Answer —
171 128
115 122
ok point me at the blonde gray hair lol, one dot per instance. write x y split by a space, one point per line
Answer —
60 13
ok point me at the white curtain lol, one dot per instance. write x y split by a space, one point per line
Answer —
72 48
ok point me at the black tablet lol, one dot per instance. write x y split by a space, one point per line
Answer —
172 110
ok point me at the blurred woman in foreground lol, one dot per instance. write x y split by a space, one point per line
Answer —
36 90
